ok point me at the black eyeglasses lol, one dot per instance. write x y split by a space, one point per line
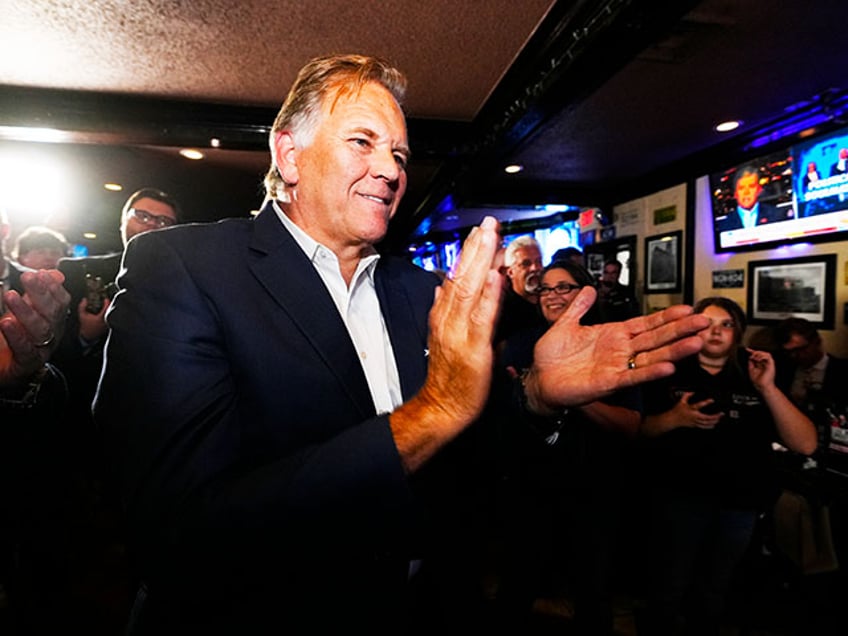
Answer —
561 289
146 218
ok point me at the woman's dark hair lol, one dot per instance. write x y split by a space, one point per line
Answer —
582 277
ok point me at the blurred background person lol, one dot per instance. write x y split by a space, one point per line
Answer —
616 302
34 521
569 253
90 283
10 272
520 308
39 247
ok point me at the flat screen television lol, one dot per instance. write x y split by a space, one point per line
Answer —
801 195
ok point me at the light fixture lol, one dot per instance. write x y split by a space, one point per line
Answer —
191 153
113 187
215 142
90 235
513 168
727 126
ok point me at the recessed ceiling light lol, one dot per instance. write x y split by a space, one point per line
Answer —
727 126
113 187
90 235
215 142
191 153
513 168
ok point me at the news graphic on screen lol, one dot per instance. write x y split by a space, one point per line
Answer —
798 195
821 180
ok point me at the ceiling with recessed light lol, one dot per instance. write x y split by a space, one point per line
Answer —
597 101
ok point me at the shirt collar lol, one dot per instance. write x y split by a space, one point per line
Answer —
313 248
821 365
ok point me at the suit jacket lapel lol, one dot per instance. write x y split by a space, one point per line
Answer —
286 273
406 332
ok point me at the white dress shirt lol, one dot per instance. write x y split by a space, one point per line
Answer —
359 309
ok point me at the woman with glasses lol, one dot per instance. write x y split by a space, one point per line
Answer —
563 481
710 427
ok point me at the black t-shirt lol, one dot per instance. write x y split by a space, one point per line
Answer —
731 463
571 453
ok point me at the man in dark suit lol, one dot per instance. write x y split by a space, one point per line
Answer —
275 391
750 212
91 282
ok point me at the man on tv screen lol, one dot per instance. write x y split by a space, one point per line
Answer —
841 165
750 211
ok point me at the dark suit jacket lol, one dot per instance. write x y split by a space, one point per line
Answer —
81 364
767 213
262 490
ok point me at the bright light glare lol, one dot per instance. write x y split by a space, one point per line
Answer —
90 235
24 177
513 168
49 135
113 187
191 153
727 126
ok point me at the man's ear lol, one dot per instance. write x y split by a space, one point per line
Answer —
285 156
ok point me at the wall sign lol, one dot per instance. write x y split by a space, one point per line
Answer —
726 278
665 215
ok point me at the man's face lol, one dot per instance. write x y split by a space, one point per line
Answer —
610 275
348 182
525 270
803 352
132 224
747 190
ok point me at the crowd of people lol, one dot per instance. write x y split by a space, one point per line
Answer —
279 428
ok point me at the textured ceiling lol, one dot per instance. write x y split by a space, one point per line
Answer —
600 100
248 51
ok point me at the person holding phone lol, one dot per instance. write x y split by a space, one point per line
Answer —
710 427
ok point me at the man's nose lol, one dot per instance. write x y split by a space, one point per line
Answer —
384 165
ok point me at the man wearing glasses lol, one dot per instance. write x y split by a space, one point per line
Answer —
90 280
91 283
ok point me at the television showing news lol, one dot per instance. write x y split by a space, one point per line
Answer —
797 195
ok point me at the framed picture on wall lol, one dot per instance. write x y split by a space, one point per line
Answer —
803 287
663 263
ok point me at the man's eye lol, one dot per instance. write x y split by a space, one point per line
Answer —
401 161
361 141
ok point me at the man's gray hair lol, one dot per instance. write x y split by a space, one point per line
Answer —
339 74
516 244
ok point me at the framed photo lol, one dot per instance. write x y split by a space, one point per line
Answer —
802 287
663 263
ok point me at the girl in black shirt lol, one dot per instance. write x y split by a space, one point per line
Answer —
711 426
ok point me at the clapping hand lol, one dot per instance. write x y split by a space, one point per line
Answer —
32 325
575 364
